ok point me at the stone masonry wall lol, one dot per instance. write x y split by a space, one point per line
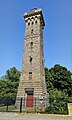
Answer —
33 75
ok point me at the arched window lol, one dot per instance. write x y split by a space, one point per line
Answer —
31 30
36 21
29 23
32 23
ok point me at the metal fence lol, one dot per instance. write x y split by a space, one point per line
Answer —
55 105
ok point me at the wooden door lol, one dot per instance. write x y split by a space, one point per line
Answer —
29 101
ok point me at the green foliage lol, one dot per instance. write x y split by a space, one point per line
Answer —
12 74
59 77
9 83
55 93
49 80
57 107
58 101
59 85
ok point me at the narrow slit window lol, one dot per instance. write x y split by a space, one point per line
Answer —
31 59
31 44
32 23
42 62
36 21
30 75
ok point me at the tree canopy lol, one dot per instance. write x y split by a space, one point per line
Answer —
9 83
60 78
12 74
59 86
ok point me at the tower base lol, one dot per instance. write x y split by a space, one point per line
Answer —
31 102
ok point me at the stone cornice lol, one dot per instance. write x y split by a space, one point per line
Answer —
33 13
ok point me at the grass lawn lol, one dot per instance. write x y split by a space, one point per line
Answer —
10 108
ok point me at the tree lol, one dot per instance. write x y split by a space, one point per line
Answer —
9 83
59 85
58 101
12 74
48 79
60 78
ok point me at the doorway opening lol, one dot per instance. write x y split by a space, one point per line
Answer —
30 97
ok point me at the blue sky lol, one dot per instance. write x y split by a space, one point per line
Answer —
57 32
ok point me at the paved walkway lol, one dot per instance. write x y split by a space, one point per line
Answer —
17 116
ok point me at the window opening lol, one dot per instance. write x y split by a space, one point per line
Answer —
31 44
35 16
32 18
36 21
42 62
31 59
30 75
32 31
28 23
32 23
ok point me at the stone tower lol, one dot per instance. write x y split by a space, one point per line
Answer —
32 81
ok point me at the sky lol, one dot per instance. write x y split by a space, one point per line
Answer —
57 32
